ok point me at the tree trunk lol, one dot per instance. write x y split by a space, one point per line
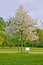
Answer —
21 47
21 39
32 44
18 47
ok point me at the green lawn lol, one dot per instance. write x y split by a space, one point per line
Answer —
36 49
21 59
15 50
12 57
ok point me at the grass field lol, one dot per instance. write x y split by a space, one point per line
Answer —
15 50
21 59
12 57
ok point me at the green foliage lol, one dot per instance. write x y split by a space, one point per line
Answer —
1 40
2 23
3 36
40 34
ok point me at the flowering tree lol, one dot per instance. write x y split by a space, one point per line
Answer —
23 25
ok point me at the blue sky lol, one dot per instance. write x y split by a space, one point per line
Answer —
9 7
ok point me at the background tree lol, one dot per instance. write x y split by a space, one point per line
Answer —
40 34
2 23
2 37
